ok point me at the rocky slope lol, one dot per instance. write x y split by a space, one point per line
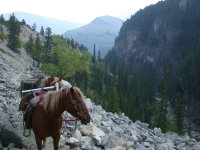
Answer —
106 130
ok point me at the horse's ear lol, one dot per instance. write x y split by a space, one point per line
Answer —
60 78
72 90
73 84
52 77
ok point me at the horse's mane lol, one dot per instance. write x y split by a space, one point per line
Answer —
52 99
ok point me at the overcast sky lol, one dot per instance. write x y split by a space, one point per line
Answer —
82 11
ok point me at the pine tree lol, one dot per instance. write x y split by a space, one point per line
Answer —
2 20
33 27
179 116
23 22
113 105
162 120
42 31
72 43
94 54
39 48
99 55
48 45
14 30
29 46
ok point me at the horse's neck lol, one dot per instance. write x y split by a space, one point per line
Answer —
60 107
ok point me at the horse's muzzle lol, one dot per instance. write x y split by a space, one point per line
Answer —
85 120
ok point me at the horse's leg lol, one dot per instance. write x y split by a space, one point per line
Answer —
44 143
56 140
38 142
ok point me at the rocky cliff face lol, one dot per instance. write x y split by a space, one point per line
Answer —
106 130
167 31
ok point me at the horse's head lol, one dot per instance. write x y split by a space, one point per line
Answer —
76 105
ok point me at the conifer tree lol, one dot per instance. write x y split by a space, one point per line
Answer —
2 20
39 48
112 98
99 55
72 43
23 22
179 116
14 30
94 54
42 31
33 27
29 46
48 45
162 120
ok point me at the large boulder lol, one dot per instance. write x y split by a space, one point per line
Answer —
88 103
114 141
91 130
9 135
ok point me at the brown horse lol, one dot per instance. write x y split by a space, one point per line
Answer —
51 81
47 119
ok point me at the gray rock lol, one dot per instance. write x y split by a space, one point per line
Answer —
86 145
165 146
11 145
9 135
116 148
104 141
140 147
77 135
157 131
96 148
182 139
146 144
118 131
73 142
181 145
91 130
158 139
143 125
196 147
88 103
97 140
114 141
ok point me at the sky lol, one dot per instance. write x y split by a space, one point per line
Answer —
82 11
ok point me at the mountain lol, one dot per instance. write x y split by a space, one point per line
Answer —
106 130
57 26
101 31
168 31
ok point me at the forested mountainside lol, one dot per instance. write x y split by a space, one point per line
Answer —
159 47
102 32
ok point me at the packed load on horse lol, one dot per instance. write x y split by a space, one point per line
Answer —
43 109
